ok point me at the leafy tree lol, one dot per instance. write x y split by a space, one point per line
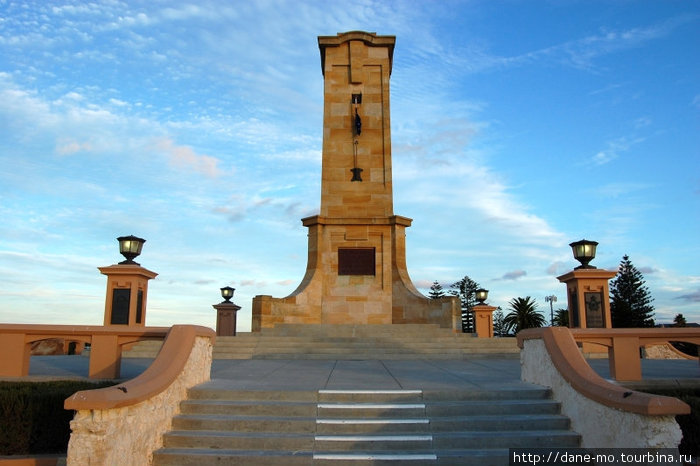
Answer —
498 322
630 300
465 289
561 318
523 315
679 321
436 291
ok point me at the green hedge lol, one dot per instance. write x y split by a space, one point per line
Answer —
32 418
689 423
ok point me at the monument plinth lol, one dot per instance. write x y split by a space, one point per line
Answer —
356 269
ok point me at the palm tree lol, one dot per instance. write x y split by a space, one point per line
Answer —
523 315
561 318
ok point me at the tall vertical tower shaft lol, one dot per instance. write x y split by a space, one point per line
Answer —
356 67
356 268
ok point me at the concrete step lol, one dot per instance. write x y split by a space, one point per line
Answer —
362 427
249 408
350 342
242 423
215 457
251 440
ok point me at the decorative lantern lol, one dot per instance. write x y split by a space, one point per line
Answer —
584 252
130 247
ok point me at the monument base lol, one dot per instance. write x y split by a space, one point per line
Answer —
356 274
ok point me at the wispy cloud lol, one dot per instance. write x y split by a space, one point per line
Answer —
514 275
620 189
579 53
614 149
693 297
186 158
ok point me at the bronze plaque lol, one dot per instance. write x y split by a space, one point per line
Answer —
356 261
594 310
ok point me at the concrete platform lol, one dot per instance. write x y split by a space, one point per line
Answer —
300 374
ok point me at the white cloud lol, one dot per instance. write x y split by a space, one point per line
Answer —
186 158
71 147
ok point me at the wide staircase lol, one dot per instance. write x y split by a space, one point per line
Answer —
410 341
343 427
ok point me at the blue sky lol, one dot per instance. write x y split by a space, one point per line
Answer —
517 127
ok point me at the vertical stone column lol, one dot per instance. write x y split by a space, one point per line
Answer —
588 297
483 320
127 291
226 318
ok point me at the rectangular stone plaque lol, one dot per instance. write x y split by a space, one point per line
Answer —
573 302
120 306
356 261
594 310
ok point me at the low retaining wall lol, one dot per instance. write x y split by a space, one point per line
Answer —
604 414
125 424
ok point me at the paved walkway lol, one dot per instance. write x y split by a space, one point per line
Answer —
259 374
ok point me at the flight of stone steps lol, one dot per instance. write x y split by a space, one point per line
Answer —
342 427
409 341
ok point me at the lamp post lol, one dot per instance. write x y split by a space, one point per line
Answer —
551 299
584 252
587 289
127 285
227 294
130 247
483 315
226 313
481 295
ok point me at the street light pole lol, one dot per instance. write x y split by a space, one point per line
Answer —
551 299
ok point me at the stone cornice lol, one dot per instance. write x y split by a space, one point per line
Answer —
369 38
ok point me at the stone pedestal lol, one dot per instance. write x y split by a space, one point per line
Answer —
588 297
127 290
226 318
483 320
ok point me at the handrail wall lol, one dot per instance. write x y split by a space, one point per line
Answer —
606 415
124 424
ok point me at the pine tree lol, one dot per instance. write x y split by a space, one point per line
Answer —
436 291
466 290
630 300
498 329
679 321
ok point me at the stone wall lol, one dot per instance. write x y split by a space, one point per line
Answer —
129 435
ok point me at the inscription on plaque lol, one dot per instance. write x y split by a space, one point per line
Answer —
356 261
594 310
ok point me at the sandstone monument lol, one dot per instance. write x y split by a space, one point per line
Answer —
356 270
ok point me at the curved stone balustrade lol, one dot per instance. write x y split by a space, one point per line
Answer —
606 415
124 424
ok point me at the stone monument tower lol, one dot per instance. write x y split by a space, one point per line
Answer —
356 270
